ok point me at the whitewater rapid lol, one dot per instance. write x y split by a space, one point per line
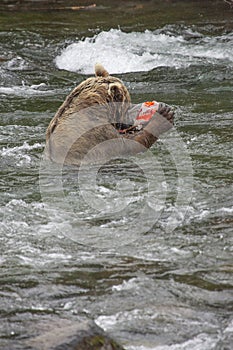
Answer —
122 52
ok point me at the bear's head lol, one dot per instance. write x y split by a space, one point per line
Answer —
107 91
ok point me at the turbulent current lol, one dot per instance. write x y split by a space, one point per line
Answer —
142 51
141 245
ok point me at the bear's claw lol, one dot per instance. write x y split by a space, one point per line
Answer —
166 111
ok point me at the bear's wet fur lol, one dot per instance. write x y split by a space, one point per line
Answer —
89 118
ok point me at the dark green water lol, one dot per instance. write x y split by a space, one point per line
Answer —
154 282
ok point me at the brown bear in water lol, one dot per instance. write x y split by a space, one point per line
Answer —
97 121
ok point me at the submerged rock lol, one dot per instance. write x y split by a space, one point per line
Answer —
85 335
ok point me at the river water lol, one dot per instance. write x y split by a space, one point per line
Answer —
142 245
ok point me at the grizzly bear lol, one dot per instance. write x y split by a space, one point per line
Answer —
97 121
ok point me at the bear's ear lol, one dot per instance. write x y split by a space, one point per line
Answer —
100 71
116 92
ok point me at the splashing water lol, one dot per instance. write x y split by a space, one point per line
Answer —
124 52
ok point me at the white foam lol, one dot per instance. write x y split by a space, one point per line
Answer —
25 90
19 153
122 52
17 64
225 210
126 285
200 342
229 328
